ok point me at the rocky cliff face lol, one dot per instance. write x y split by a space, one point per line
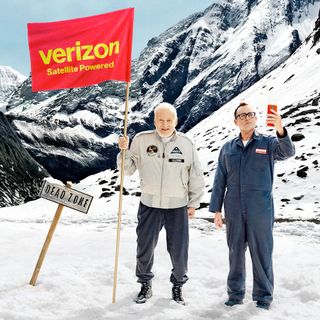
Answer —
10 79
20 175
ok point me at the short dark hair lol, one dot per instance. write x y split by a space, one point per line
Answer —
240 105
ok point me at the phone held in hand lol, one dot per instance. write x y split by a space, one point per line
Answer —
271 107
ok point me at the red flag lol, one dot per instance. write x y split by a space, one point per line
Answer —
81 52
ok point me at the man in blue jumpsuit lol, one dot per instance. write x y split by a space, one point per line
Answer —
243 182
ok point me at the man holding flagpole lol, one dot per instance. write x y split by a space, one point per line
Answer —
172 184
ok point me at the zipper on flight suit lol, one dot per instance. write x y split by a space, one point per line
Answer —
161 182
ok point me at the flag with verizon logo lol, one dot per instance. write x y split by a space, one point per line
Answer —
81 52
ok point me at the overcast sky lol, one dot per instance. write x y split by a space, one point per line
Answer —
151 18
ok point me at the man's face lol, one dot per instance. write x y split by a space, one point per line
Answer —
165 123
245 119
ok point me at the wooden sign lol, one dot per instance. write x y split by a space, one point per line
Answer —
66 196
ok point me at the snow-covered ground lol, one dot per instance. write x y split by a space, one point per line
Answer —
76 279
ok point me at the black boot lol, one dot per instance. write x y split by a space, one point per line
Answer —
177 294
145 292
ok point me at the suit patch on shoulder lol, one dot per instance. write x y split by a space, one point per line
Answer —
261 151
176 150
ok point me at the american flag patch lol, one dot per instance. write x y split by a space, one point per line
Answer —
261 151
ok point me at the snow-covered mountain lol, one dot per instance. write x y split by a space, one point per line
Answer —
10 79
294 86
198 65
20 175
210 57
70 132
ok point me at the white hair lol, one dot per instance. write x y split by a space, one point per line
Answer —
166 106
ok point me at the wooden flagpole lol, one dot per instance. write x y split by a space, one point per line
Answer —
116 262
47 242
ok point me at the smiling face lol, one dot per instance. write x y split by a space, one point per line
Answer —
247 122
165 121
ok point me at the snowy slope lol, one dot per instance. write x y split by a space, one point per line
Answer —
209 58
294 86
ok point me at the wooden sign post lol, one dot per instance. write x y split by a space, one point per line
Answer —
66 197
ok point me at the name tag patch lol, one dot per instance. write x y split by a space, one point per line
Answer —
261 151
176 160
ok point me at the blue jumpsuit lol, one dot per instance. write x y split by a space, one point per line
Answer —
243 182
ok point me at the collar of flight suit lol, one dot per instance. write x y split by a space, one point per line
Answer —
172 138
255 136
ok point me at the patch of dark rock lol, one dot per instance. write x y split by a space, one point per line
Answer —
106 189
316 221
298 197
285 200
106 194
297 137
280 174
124 191
305 112
289 78
210 162
203 205
302 158
301 173
136 194
302 120
114 177
112 183
103 181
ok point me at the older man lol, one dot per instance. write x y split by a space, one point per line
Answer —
172 184
245 171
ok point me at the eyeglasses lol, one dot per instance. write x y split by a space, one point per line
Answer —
243 116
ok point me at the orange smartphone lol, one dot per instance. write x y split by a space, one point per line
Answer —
271 107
